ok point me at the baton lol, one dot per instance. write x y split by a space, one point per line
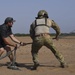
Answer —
28 43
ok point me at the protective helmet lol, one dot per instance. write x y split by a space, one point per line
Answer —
42 13
9 19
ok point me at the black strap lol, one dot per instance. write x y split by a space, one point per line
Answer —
46 21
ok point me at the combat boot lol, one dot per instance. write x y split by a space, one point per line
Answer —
63 65
35 67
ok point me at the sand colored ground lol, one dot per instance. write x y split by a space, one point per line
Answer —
49 65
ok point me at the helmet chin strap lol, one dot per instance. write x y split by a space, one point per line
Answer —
43 13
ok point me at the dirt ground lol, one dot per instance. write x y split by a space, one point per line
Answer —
49 65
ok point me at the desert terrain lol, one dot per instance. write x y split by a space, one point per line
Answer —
49 65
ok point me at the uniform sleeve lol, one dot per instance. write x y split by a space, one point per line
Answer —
56 28
32 32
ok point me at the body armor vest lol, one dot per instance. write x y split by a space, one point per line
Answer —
41 26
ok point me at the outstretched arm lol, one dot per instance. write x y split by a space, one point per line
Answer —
14 39
6 40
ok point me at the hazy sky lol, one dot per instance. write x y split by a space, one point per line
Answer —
25 11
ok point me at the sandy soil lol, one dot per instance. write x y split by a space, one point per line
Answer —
49 65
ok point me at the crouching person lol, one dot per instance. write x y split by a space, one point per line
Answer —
5 32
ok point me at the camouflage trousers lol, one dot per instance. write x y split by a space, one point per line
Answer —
40 41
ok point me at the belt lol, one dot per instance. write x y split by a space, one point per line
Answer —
42 34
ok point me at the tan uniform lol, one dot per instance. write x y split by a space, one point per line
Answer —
39 32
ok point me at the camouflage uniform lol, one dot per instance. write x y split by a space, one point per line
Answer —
41 38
